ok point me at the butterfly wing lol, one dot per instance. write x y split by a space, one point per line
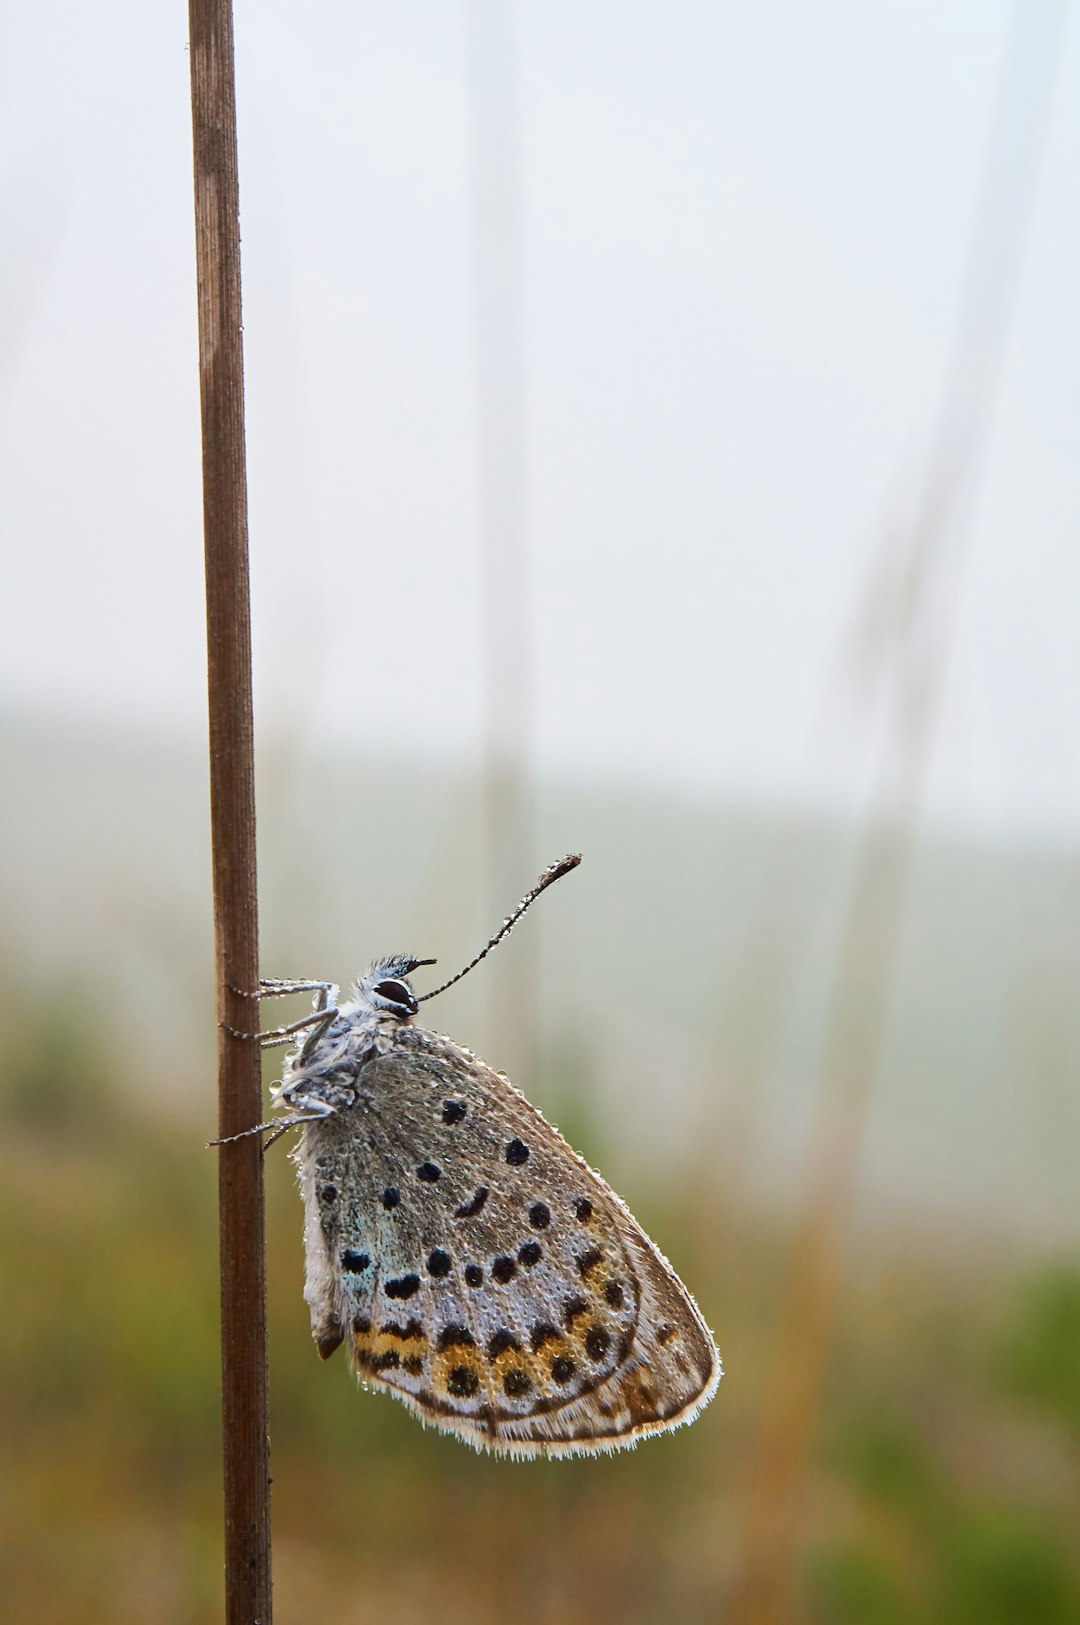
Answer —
481 1271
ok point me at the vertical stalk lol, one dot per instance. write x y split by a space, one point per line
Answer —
246 1445
503 509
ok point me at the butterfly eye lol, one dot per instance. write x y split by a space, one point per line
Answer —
395 993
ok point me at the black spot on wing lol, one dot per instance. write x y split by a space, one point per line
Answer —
456 1336
597 1342
411 1329
462 1382
402 1286
500 1341
469 1209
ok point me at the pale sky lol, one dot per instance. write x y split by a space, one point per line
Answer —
744 229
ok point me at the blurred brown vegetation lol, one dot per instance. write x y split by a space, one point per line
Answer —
945 1481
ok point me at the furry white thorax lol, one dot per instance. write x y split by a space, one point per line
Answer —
323 1073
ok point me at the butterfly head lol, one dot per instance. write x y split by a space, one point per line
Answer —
384 988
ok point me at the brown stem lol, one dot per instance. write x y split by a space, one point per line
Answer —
246 1445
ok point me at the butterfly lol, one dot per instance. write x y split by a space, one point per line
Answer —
471 1262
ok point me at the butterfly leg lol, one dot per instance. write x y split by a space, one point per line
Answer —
276 987
320 1020
326 1001
325 1004
277 1126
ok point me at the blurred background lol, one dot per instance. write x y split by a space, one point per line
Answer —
662 428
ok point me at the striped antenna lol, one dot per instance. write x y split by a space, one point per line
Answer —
548 878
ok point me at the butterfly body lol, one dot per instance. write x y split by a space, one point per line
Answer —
471 1262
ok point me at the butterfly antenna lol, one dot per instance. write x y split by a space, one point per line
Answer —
548 878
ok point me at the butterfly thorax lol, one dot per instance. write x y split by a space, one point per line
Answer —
331 1071
327 1068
